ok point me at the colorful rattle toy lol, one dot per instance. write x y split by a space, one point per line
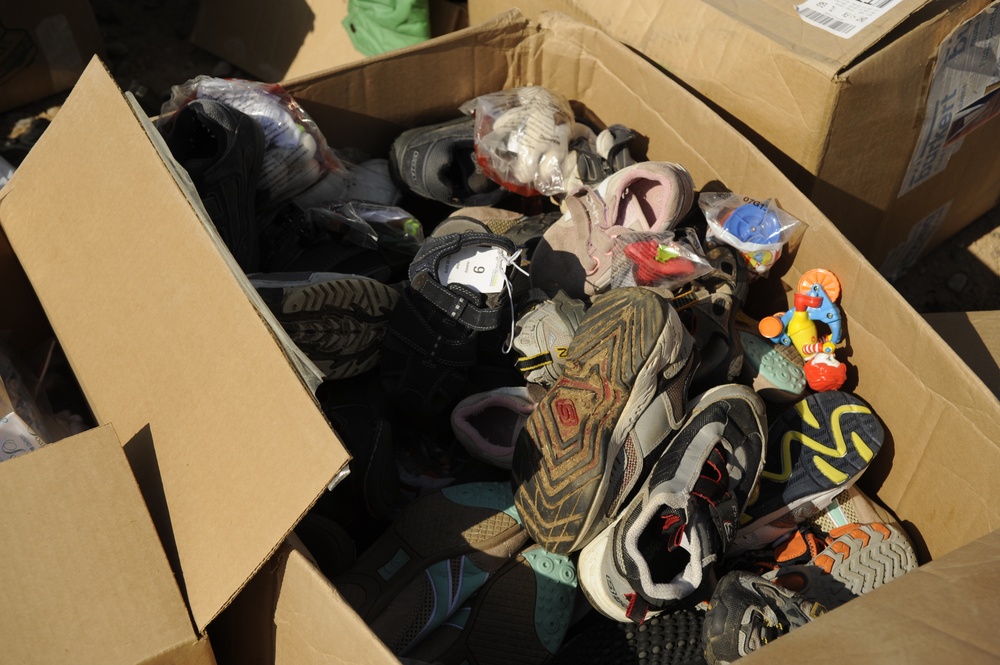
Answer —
813 302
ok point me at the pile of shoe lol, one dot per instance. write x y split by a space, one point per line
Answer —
548 464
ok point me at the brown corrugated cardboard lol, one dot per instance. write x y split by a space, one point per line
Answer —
168 343
975 336
224 436
936 471
85 579
853 122
44 48
279 41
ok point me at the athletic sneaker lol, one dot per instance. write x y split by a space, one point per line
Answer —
858 559
337 320
487 424
568 461
817 448
672 638
458 287
542 336
222 149
662 547
746 612
437 553
438 162
520 615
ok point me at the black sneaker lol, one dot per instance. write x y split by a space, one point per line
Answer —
746 612
222 150
672 638
452 296
438 162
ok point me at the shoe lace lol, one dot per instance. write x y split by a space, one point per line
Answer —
513 261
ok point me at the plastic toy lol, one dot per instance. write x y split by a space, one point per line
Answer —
813 302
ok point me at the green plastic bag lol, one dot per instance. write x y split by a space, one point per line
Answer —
377 26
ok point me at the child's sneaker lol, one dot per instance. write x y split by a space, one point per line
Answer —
817 448
487 424
746 612
542 336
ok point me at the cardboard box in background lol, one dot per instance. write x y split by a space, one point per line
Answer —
867 122
975 336
938 415
275 41
44 48
170 343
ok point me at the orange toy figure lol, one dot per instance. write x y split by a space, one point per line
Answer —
824 372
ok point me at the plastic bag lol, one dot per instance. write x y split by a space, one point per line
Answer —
641 258
296 154
522 137
758 229
370 225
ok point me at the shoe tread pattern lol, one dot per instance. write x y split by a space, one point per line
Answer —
563 453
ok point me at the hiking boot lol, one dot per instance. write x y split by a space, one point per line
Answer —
437 553
520 615
458 288
542 336
488 423
817 448
662 547
222 149
746 612
568 460
438 162
337 320
672 638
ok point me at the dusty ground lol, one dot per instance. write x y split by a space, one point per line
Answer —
148 51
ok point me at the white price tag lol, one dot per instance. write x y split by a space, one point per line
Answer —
482 268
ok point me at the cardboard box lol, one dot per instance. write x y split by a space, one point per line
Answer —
869 125
105 242
44 48
171 345
936 471
275 41
85 578
975 336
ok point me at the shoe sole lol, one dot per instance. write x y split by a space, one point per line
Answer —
775 377
520 615
859 561
570 441
431 540
816 449
668 639
339 324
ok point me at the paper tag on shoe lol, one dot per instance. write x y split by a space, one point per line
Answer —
482 268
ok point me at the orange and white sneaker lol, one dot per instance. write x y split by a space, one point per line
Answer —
861 557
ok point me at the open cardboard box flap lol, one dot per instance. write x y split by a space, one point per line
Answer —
167 342
84 576
937 468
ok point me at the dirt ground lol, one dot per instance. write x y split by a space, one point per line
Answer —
147 50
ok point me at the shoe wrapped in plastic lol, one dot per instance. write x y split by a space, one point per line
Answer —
296 154
522 137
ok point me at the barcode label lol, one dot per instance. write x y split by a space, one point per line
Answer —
843 18
830 22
